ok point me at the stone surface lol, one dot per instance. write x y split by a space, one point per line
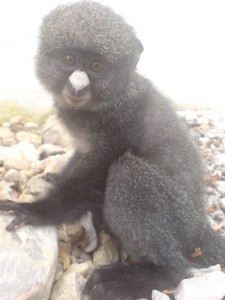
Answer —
68 287
37 187
28 261
33 138
210 286
107 253
21 151
156 295
16 164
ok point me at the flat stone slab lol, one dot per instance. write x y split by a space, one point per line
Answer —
28 261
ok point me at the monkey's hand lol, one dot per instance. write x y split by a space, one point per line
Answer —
24 214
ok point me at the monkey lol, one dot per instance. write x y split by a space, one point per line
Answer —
136 169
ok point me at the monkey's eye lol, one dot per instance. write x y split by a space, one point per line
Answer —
96 66
69 60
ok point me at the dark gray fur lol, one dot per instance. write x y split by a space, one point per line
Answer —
140 174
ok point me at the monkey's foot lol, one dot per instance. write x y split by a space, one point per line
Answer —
124 282
22 211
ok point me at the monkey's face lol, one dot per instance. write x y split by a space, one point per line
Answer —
81 79
82 71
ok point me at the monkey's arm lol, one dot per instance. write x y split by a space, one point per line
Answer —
79 189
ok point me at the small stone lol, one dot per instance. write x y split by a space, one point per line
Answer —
68 287
107 253
218 215
220 159
7 137
59 272
220 185
31 126
222 203
156 295
12 175
79 256
27 268
16 120
33 138
16 164
84 268
210 286
37 187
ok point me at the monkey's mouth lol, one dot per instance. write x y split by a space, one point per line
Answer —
76 99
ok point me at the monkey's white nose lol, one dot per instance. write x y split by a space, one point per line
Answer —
79 80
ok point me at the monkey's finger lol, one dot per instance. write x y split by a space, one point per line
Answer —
7 205
21 219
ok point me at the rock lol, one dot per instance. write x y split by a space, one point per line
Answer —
21 151
71 233
210 286
28 260
79 256
7 137
222 203
156 295
16 120
6 191
59 272
198 272
33 138
84 268
68 287
220 185
220 159
16 164
23 178
12 175
31 126
107 253
54 164
218 215
37 187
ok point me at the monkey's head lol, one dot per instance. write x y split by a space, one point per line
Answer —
86 52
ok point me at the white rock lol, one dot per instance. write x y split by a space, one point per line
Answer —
220 159
222 203
107 253
16 164
156 295
28 261
68 287
37 187
210 286
12 175
84 268
16 120
220 185
33 138
7 137
5 190
199 272
21 151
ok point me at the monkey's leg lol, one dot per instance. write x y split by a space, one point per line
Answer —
128 282
142 210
